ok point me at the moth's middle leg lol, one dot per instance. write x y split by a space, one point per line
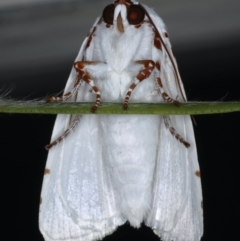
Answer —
82 75
148 66
69 94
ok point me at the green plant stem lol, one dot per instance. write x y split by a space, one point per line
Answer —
189 108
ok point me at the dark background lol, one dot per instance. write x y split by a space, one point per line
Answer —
38 44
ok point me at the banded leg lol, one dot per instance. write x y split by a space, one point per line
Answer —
68 94
148 65
66 132
84 75
165 96
168 125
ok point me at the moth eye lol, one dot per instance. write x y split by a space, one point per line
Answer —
108 14
136 14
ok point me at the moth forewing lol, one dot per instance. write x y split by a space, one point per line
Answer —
104 170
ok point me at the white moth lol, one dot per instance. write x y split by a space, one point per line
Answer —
105 170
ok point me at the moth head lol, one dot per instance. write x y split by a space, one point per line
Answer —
123 13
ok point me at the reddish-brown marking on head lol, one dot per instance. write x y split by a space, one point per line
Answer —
108 25
158 66
46 171
166 34
198 174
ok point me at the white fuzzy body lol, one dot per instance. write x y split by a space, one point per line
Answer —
114 169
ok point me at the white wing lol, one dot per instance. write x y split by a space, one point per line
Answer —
78 201
176 212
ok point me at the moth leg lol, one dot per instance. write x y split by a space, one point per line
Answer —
165 96
71 128
84 75
68 94
148 66
169 126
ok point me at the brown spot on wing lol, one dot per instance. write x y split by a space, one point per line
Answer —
166 34
198 173
46 171
90 37
158 66
157 43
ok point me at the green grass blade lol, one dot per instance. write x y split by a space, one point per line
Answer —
189 108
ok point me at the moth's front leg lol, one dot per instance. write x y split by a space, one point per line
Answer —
148 66
85 75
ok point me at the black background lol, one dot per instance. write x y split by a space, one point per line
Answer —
210 73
